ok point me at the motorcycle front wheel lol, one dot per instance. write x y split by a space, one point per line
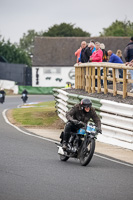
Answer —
87 155
64 158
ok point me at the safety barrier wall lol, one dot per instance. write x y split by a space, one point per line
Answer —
36 90
116 118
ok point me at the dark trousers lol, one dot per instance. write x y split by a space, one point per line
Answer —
69 130
121 73
101 72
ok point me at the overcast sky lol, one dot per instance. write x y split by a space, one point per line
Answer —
19 16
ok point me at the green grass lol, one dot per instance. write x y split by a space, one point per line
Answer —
43 114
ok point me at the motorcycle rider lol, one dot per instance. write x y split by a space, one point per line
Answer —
78 117
3 94
25 92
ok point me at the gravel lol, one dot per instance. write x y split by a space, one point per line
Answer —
108 96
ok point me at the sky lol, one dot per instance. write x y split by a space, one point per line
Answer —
19 16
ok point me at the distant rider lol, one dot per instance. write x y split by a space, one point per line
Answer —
3 94
78 117
24 93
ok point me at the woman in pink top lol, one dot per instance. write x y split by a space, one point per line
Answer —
97 55
77 53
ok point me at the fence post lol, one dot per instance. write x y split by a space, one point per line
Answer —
87 79
99 79
93 79
83 77
124 83
76 78
105 80
114 84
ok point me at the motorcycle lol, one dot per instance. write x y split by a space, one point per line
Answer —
81 145
1 98
24 98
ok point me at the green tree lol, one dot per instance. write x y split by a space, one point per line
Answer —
65 30
13 54
26 42
119 28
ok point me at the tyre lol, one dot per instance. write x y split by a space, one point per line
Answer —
88 154
64 158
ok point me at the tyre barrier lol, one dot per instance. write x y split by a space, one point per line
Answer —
116 118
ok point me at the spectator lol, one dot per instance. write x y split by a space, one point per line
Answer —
128 52
85 53
92 41
97 55
131 72
77 53
115 59
92 47
119 54
105 54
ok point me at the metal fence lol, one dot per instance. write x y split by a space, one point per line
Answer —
19 73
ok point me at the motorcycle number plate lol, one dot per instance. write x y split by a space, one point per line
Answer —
60 151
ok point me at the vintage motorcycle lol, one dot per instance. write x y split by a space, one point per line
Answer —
81 145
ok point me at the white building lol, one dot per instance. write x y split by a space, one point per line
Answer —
52 62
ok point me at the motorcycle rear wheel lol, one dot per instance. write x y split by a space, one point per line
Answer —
87 156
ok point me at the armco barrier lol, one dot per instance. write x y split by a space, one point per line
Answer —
116 118
35 90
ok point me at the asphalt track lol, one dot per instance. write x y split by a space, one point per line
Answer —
30 169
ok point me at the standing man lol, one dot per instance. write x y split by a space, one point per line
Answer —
115 59
85 53
128 54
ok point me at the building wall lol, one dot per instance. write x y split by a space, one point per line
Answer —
52 76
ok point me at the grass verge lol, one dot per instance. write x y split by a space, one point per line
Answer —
42 115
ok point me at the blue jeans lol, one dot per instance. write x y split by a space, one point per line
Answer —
131 72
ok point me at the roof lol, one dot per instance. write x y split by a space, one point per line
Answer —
59 51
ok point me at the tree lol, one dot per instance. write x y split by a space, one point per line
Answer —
26 42
13 54
119 28
65 30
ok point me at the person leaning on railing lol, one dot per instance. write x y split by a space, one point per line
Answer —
97 56
85 53
115 59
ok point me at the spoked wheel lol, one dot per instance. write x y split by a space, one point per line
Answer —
88 153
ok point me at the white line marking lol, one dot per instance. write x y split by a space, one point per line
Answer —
26 133
54 141
116 161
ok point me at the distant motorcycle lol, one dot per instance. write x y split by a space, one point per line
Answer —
1 98
81 145
24 98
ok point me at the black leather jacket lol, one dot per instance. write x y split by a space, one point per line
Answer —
85 54
77 113
128 52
